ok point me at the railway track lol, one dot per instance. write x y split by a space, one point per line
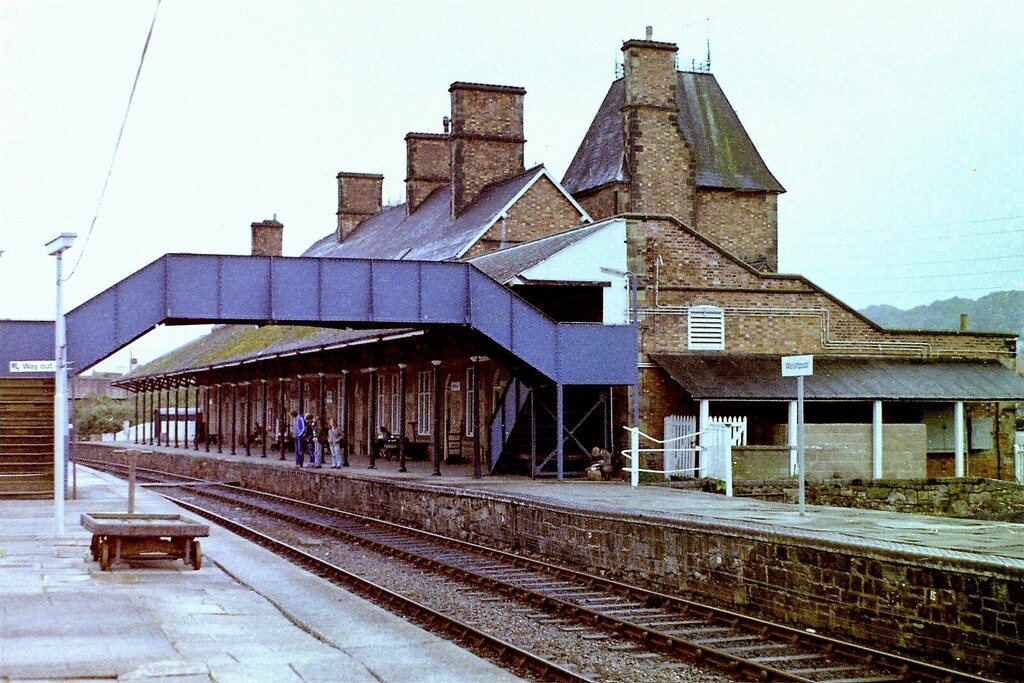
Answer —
741 646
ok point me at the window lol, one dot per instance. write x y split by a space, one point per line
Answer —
705 328
470 394
424 402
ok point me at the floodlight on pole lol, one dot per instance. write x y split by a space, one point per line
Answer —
57 247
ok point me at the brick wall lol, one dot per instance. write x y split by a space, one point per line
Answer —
359 197
743 223
486 138
606 201
843 451
542 210
427 168
658 158
266 238
944 606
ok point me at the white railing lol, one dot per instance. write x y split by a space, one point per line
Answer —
715 454
1018 457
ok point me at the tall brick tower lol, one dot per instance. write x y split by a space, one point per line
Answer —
657 156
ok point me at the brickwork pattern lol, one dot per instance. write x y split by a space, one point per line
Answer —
427 166
954 609
603 203
542 210
487 139
359 197
266 238
659 161
743 223
843 451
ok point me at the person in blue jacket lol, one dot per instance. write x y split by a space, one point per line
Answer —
298 430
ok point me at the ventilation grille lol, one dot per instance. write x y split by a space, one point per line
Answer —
705 328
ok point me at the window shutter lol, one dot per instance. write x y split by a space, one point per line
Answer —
705 328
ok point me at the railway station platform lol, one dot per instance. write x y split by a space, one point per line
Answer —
940 588
245 616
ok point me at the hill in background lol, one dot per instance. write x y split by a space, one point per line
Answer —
995 312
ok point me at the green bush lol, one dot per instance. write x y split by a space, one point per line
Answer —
101 415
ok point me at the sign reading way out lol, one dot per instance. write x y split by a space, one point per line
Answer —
797 366
33 366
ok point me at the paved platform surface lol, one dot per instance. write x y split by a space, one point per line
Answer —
246 616
1001 543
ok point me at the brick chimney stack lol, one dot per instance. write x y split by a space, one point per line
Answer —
660 162
266 237
486 138
359 197
427 162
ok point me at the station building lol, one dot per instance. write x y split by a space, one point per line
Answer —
666 218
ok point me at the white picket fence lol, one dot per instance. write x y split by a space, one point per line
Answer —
714 461
1018 457
680 430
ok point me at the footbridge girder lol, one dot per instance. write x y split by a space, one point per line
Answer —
325 292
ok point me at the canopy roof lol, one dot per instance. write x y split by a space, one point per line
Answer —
719 377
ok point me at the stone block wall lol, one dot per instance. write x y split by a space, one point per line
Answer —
944 605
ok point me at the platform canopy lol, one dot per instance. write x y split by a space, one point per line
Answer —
747 377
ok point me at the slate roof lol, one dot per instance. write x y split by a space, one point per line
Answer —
726 157
230 344
737 377
429 233
507 263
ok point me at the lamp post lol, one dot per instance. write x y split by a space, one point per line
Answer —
57 247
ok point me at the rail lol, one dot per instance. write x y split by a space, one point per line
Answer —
715 447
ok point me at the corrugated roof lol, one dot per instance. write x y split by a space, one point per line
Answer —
721 377
429 233
506 264
725 156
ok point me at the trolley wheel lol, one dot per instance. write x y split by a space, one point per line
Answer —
197 555
104 556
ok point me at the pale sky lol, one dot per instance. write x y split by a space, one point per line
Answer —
896 127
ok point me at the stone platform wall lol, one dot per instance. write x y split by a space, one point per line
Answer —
952 608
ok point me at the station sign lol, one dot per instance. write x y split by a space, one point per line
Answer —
797 366
32 366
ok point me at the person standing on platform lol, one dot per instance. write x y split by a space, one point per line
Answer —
334 443
298 430
313 441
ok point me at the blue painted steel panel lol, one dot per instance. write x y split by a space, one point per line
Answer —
490 307
534 338
295 290
116 317
443 298
597 354
315 291
396 291
25 340
345 295
194 286
245 288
